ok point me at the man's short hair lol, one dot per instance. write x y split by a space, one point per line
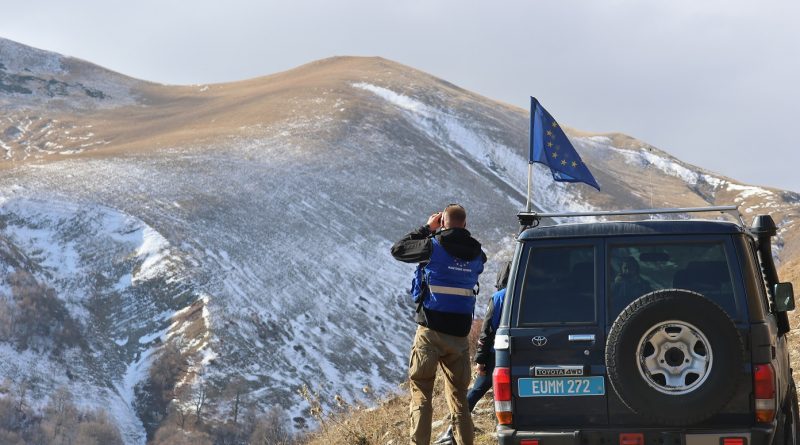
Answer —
456 214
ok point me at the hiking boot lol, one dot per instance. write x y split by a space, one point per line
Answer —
446 438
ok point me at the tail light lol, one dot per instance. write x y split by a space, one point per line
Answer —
733 441
529 442
501 383
631 439
764 388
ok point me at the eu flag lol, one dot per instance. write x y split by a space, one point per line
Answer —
550 146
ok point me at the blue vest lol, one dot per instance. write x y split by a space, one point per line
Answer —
451 281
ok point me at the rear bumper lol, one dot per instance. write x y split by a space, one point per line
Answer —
755 436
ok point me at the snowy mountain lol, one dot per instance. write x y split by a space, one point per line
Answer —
248 224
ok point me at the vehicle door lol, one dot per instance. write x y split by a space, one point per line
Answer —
558 335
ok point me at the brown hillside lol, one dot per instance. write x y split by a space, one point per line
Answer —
170 116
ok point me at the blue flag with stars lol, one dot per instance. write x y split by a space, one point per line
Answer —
550 146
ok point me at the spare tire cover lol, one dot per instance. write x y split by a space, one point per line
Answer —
674 357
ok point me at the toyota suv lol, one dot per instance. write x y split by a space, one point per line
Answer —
657 332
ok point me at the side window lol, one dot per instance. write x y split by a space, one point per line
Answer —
635 270
559 286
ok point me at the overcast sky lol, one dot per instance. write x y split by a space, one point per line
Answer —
713 82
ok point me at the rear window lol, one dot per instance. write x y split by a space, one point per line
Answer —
638 269
559 286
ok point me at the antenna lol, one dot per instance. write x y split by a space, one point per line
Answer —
650 177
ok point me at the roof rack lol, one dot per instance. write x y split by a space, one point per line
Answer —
532 218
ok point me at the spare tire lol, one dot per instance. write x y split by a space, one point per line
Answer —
674 357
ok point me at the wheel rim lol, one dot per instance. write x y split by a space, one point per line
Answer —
674 357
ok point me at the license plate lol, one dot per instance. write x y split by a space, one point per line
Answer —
562 386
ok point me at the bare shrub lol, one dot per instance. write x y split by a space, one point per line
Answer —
153 397
60 423
234 391
179 413
15 415
166 369
42 320
199 399
10 417
356 424
10 438
61 417
98 430
272 429
230 434
8 318
171 434
240 417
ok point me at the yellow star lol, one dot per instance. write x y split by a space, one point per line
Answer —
549 144
574 164
549 133
563 162
555 155
555 124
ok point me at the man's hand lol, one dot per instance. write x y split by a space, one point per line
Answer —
480 368
435 221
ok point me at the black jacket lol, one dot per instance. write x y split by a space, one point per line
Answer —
484 354
416 247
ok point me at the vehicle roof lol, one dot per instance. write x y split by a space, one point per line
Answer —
618 228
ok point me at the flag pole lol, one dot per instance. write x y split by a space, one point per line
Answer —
530 186
530 159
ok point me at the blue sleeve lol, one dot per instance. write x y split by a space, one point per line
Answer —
497 301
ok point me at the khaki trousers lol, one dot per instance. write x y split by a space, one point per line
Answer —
451 353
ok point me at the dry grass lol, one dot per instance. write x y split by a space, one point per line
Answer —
186 116
387 421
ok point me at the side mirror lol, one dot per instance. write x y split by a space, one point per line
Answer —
784 297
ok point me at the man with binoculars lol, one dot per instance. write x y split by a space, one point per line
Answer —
450 261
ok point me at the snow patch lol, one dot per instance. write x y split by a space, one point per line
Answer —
136 371
149 338
644 157
152 252
747 191
467 144
400 100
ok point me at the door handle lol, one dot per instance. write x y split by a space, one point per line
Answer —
581 337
